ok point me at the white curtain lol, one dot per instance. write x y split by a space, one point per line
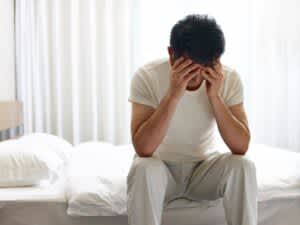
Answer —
75 59
73 68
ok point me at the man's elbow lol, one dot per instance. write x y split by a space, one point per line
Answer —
142 151
143 154
239 151
242 147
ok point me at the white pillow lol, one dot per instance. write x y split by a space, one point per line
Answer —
43 141
97 178
24 165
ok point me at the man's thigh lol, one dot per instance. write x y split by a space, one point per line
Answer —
153 172
208 179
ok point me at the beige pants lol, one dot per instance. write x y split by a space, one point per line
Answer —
152 183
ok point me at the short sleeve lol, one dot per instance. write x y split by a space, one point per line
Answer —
235 90
141 89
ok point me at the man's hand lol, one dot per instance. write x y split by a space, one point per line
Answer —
214 79
182 71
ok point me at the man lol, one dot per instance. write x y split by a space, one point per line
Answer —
176 105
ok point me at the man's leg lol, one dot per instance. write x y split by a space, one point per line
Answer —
232 177
149 182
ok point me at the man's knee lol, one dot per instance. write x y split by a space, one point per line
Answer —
147 162
241 162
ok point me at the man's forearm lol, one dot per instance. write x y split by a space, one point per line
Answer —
151 133
234 133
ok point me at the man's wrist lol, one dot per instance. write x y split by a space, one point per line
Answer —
214 98
171 98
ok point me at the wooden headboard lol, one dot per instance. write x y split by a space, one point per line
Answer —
11 119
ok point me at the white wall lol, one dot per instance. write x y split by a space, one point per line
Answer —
7 61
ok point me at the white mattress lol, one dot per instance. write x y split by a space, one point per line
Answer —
47 206
45 192
273 212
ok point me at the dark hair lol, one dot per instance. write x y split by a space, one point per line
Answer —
199 37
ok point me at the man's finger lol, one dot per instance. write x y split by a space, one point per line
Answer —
178 61
189 76
189 69
183 65
207 77
212 73
218 67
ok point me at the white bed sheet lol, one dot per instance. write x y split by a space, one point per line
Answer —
277 174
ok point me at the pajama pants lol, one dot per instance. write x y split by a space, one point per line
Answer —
152 183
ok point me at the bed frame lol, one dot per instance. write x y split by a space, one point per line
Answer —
11 120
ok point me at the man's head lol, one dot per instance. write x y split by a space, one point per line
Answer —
199 38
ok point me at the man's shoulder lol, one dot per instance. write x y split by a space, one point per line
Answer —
156 66
227 69
230 74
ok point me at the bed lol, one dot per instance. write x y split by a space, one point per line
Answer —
279 202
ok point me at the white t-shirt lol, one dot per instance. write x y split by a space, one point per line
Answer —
191 135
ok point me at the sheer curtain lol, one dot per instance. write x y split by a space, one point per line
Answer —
73 68
75 59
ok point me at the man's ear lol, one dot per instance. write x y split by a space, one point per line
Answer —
171 55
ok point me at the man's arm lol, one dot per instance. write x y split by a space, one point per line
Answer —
149 126
232 124
232 121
